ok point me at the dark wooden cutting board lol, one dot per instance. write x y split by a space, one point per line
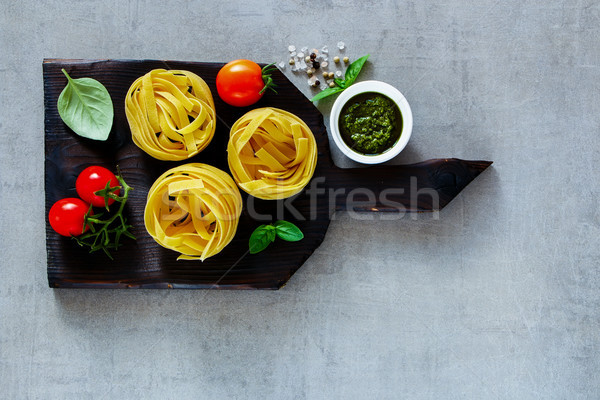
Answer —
145 264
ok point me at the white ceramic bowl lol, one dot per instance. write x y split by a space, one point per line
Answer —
386 90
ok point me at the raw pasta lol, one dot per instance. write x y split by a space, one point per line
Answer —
272 153
193 209
171 114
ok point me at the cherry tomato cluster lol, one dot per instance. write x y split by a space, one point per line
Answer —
241 83
67 216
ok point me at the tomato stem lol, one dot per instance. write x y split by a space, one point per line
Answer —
109 193
267 70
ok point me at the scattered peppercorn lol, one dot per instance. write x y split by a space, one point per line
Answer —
313 56
325 74
331 84
316 64
292 62
331 75
346 60
307 59
336 59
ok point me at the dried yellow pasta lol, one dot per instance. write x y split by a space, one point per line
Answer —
272 153
193 209
171 114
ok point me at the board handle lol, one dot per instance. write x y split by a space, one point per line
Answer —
422 187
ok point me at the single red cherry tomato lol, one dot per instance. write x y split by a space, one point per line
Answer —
66 216
241 83
92 179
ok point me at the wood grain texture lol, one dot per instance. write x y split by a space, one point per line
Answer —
143 263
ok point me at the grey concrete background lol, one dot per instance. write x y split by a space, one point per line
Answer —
499 298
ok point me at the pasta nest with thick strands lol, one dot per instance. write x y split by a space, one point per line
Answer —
272 153
171 114
193 209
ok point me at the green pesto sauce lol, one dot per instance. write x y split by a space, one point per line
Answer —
370 123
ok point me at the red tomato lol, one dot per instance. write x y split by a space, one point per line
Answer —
240 83
92 179
67 216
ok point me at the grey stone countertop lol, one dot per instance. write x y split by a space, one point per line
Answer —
497 298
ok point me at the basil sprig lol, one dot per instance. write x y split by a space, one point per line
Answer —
264 235
86 107
351 74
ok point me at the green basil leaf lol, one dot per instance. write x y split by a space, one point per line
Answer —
327 92
261 238
271 233
288 231
340 82
86 107
354 69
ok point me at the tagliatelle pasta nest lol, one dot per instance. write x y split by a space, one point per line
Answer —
272 153
171 114
193 209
